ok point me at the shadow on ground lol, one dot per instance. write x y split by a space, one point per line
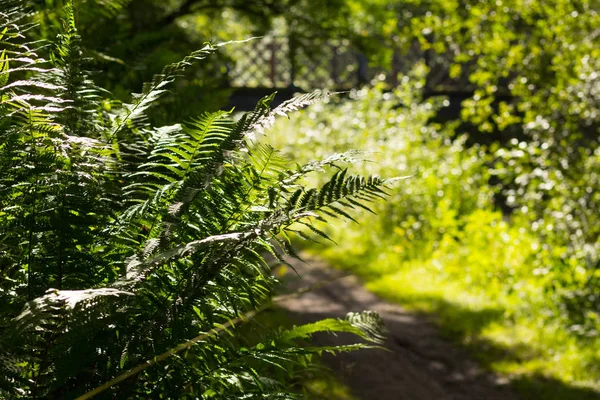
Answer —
419 363
464 325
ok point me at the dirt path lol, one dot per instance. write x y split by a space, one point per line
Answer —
419 366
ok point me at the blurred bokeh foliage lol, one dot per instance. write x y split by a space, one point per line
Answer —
128 39
472 227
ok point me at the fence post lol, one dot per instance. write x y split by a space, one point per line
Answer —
272 63
334 65
292 57
363 69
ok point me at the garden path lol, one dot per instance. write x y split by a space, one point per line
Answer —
419 365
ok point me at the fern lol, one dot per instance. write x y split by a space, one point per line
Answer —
367 325
266 121
121 242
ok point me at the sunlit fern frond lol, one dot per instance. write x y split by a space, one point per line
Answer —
120 241
267 120
133 114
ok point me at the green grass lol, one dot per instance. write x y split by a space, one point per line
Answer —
505 334
325 387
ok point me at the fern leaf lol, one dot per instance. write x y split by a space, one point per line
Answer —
367 325
152 91
267 120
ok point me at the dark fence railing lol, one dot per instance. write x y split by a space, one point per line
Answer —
278 63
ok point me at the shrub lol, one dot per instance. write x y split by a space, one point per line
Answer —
125 245
448 180
523 281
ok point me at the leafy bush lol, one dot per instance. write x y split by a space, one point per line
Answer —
524 282
532 73
448 180
124 245
556 195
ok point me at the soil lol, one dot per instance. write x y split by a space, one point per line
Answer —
419 364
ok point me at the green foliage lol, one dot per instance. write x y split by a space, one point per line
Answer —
519 289
532 67
543 58
447 179
124 245
536 58
555 194
128 40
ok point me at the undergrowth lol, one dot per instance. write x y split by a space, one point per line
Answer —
132 256
439 246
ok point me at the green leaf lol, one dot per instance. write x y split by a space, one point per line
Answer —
4 68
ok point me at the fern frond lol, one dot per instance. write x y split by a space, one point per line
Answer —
328 325
151 236
81 117
134 113
334 161
370 323
36 311
137 269
338 189
266 121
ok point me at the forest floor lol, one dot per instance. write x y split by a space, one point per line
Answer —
418 365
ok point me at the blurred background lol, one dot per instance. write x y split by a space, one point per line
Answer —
492 108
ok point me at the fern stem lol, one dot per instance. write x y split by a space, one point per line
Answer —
254 184
33 216
167 354
59 262
30 256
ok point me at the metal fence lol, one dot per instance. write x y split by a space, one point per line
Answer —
276 62
279 62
